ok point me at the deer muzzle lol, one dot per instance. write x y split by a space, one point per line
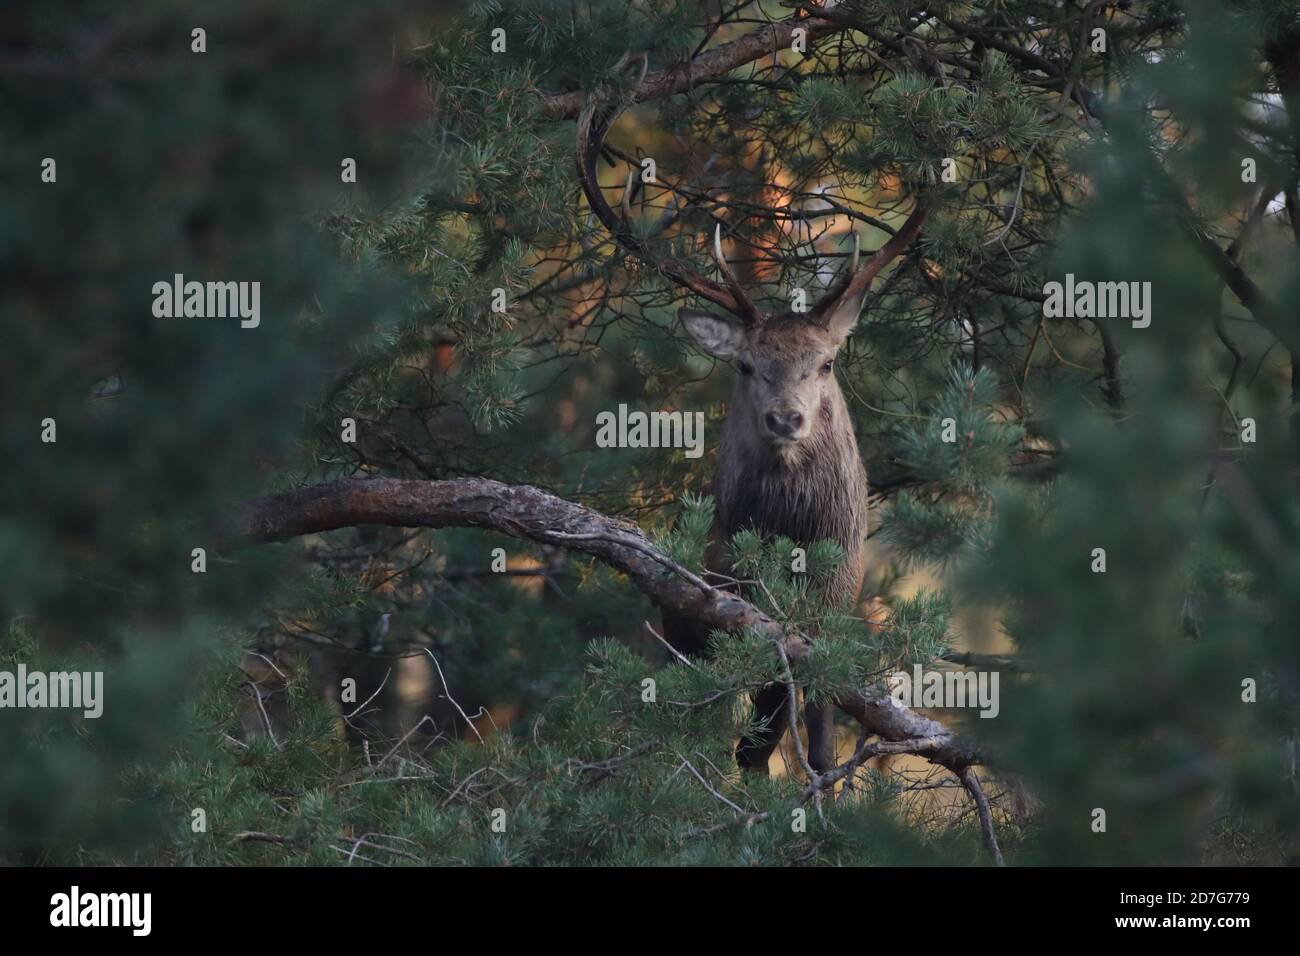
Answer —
785 425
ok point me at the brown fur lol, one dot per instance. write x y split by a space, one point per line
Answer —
790 463
808 487
812 490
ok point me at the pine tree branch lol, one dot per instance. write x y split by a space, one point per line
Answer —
717 62
528 513
971 781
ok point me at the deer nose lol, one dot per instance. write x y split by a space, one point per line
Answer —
785 425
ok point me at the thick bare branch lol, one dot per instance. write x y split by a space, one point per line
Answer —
531 514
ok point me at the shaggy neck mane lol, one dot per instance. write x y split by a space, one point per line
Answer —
812 490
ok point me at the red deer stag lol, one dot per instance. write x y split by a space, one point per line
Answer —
788 463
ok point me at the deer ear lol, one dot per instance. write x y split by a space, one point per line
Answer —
843 318
718 337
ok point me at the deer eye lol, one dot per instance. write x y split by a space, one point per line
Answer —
746 368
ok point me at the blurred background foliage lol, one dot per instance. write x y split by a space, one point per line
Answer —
522 691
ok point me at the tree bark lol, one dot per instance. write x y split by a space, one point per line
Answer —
529 513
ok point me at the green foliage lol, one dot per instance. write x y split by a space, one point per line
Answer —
1005 445
688 539
603 778
962 445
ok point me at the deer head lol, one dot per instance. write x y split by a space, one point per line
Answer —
785 360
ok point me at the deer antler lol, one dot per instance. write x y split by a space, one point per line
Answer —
593 123
733 284
854 282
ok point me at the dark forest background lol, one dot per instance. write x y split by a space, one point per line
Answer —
1167 154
